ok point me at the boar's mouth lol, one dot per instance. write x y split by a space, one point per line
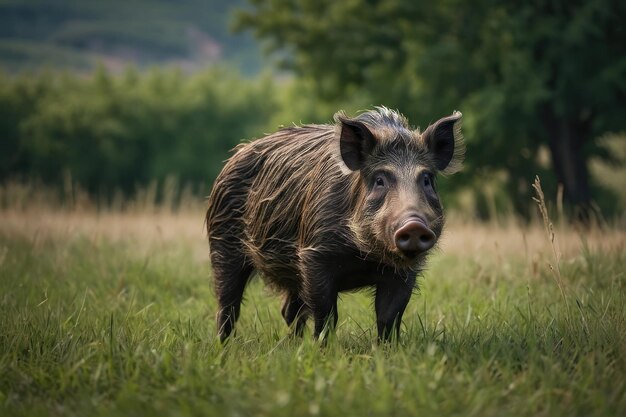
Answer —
414 237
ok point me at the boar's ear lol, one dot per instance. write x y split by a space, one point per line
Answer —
355 141
444 142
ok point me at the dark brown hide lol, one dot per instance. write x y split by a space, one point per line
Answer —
320 209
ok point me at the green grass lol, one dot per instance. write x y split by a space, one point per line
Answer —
96 326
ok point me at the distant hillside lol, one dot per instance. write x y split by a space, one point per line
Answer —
78 34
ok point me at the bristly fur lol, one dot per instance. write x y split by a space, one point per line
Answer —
382 116
278 178
284 203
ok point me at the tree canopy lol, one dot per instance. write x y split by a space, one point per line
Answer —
530 77
119 132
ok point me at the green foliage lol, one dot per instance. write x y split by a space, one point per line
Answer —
299 103
525 75
539 85
99 327
111 132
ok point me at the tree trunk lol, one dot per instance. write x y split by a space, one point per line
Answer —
566 140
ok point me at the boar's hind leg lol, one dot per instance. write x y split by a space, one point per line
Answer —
230 282
392 297
294 309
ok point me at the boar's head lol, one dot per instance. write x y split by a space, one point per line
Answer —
397 215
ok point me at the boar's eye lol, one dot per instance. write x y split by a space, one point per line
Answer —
428 181
382 180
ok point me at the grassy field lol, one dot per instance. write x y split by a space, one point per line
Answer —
113 314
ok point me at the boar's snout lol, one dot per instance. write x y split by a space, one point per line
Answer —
414 237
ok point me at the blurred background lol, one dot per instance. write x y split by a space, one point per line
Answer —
104 101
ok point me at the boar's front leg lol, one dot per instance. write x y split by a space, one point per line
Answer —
392 297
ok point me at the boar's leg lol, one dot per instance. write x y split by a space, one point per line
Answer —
324 313
294 309
230 282
320 294
392 296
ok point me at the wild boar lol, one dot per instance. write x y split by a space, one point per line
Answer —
320 209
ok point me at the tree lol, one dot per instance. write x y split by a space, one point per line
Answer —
120 132
527 75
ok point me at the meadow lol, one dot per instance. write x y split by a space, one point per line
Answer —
111 312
